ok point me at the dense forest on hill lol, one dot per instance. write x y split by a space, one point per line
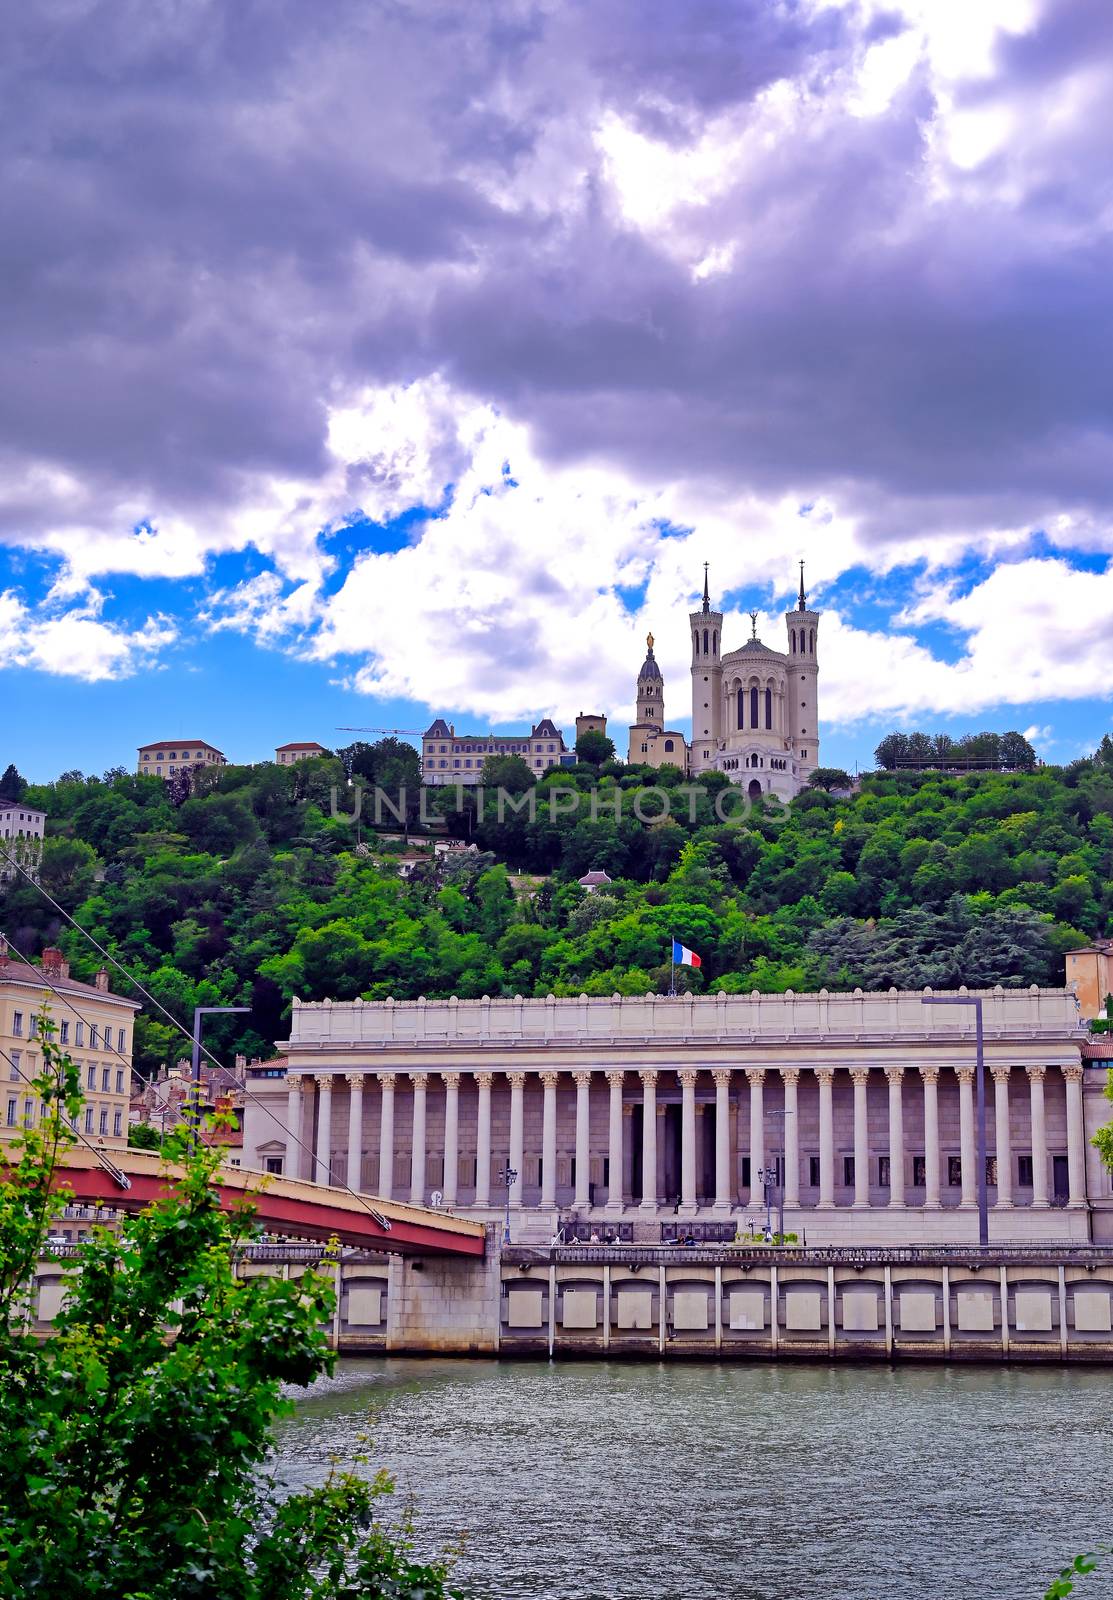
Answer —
248 890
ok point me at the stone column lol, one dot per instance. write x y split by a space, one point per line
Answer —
930 1075
386 1137
756 1078
293 1164
790 1077
614 1154
826 1076
517 1133
355 1131
323 1171
724 1196
583 1140
861 1077
450 1183
687 1078
549 1141
483 1140
649 1139
1076 1138
420 1081
895 1076
1003 1141
967 1156
1036 1077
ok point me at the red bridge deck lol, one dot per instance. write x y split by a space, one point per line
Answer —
283 1205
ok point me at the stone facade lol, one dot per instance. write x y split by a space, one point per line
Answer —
171 756
22 829
861 1106
451 757
1090 974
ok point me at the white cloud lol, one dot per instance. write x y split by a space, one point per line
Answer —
76 644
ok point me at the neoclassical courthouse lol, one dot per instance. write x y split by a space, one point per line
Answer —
645 1110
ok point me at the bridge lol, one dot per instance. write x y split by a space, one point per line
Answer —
128 1180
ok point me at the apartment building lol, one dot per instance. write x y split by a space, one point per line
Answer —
21 837
169 756
451 757
94 1025
305 750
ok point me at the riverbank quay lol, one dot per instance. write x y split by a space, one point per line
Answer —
732 1303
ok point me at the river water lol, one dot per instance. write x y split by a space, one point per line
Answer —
686 1481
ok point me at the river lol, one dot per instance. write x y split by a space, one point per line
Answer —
691 1481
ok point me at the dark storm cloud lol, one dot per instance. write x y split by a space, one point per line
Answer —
219 218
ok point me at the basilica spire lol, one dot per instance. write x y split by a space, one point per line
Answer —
803 603
706 595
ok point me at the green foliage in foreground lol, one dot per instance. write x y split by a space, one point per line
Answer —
136 1440
248 891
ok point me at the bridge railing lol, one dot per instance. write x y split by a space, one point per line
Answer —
779 1255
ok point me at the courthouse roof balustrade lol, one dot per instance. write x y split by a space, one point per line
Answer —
898 1017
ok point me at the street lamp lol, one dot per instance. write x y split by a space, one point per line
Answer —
979 1079
767 1177
510 1177
195 1074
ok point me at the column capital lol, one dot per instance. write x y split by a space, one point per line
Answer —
616 1077
1036 1074
517 1080
582 1079
451 1080
860 1075
295 1081
484 1079
1073 1072
355 1079
549 1079
687 1076
895 1075
929 1074
755 1076
648 1075
386 1080
1000 1072
789 1075
419 1080
325 1081
824 1074
964 1074
722 1076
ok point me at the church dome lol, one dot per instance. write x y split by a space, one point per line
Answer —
650 670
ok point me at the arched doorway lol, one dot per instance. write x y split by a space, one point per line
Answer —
754 790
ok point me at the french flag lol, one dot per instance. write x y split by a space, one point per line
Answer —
683 957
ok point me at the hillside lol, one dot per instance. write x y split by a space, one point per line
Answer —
248 891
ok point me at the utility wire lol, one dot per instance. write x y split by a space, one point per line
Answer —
294 1138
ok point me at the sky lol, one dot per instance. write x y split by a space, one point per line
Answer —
362 362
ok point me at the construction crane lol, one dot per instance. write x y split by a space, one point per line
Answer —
417 731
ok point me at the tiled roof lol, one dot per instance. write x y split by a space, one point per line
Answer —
301 744
32 978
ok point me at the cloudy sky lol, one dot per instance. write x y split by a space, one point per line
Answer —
372 358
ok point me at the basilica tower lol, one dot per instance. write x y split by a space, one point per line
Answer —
802 625
707 682
651 691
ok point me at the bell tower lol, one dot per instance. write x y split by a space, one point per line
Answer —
802 691
651 691
706 627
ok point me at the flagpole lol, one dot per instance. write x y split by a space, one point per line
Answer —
672 966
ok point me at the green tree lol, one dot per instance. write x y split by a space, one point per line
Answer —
829 778
135 1436
594 747
12 785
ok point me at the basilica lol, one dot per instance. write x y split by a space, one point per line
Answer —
755 710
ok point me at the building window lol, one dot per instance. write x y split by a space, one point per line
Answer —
919 1172
813 1171
88 1119
1024 1171
745 1172
883 1171
33 1029
94 1036
105 1079
119 1080
17 1024
273 1164
91 1079
768 708
117 1124
63 1033
753 707
13 1111
954 1172
121 1040
668 744
848 1172
991 1171
103 1120
28 1113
